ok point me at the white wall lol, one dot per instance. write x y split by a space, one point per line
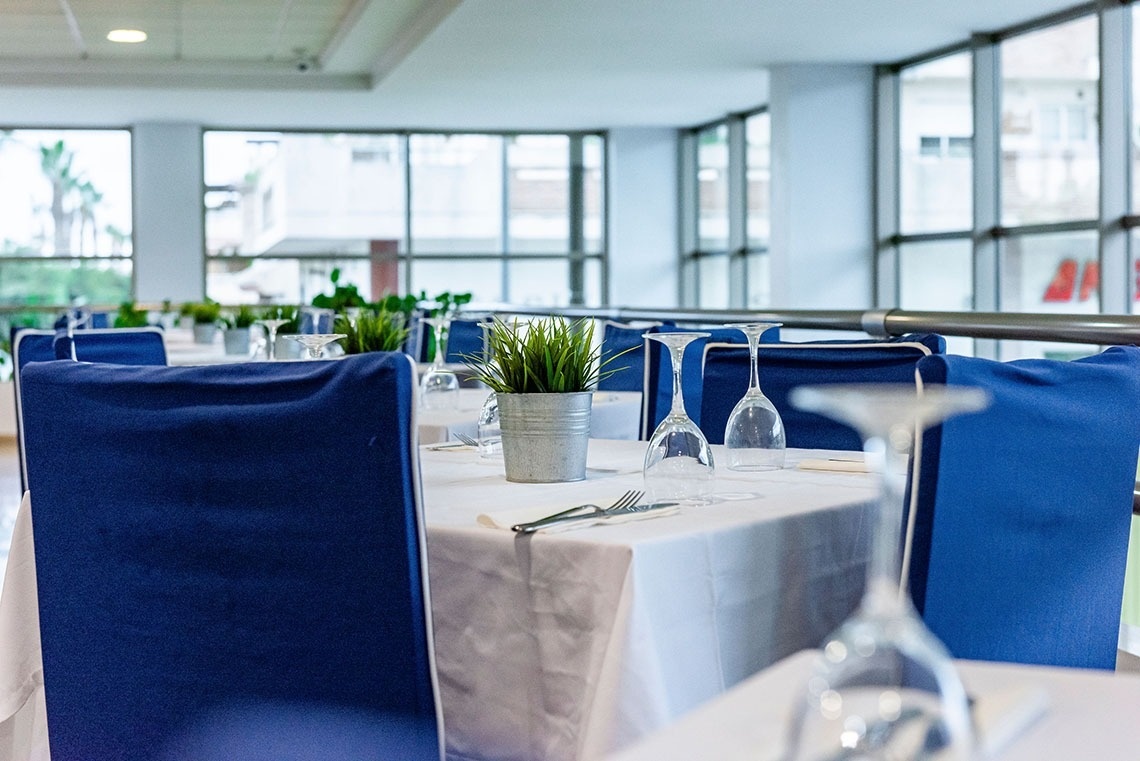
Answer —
643 227
822 186
168 225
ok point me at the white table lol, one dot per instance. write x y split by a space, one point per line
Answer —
571 645
1054 714
613 415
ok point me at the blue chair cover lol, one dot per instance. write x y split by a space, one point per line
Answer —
122 346
314 320
783 366
1024 510
618 337
658 385
101 320
28 345
219 540
465 339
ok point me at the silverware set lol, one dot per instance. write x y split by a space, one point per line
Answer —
624 505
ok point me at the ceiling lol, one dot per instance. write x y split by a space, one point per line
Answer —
461 64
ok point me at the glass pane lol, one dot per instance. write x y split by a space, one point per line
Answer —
1058 272
936 125
483 279
457 194
100 281
758 137
236 280
303 193
539 194
65 193
1135 132
1049 154
938 276
538 283
593 160
712 188
592 284
759 280
713 273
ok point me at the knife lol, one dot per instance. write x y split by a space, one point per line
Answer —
530 528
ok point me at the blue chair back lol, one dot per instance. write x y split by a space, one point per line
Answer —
121 346
465 338
1024 510
218 539
315 320
619 337
783 366
28 345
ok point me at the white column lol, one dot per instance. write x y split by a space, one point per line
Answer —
643 226
168 225
822 245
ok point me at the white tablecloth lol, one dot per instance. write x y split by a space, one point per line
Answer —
572 645
1087 715
613 415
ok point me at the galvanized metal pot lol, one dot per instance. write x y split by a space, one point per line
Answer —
545 436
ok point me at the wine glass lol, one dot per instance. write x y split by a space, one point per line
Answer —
884 687
439 387
754 435
315 343
678 462
271 326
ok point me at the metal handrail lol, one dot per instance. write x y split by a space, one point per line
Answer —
1104 329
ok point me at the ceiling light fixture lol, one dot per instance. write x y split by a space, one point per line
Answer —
126 35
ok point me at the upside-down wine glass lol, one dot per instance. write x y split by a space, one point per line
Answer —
754 435
271 326
439 387
315 343
678 462
884 688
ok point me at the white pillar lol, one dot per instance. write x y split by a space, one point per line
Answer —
168 225
642 197
822 243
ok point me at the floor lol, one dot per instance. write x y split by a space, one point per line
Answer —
10 503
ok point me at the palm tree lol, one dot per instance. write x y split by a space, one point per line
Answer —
55 161
89 198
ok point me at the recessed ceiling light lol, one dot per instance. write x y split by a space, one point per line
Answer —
126 35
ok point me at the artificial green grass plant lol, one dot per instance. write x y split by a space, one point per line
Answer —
379 331
543 356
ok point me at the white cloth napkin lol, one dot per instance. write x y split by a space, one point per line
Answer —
839 465
506 518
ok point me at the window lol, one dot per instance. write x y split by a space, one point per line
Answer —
712 188
404 214
758 214
65 217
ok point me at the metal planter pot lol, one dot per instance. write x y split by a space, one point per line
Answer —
205 333
236 340
545 436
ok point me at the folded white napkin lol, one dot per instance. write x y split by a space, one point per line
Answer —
506 518
840 465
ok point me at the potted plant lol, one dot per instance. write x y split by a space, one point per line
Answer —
206 315
372 331
235 337
543 374
130 316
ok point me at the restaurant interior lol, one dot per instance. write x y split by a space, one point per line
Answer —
485 380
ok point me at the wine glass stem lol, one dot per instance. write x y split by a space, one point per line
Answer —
272 347
440 349
753 350
678 407
882 594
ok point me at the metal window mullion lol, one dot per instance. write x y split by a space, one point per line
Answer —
576 212
1115 106
885 269
987 181
737 212
504 220
410 257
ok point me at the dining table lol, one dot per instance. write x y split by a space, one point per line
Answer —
575 643
1020 713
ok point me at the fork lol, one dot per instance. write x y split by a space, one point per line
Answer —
629 499
466 439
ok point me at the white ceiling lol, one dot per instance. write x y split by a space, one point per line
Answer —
460 64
